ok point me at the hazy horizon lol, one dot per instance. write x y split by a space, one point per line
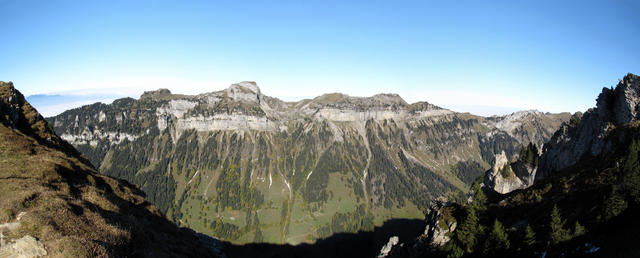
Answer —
52 104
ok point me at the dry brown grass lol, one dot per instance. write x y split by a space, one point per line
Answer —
72 209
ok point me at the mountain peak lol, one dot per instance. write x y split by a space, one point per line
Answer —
330 98
343 100
518 115
17 113
622 104
244 91
586 134
389 98
159 93
626 100
244 86
8 91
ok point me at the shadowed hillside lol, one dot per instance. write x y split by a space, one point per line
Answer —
361 244
53 202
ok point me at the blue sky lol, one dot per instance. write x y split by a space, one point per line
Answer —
477 56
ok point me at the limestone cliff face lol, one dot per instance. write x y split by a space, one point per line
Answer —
243 107
585 134
342 108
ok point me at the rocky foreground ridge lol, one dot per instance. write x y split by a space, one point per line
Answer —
54 203
579 197
586 134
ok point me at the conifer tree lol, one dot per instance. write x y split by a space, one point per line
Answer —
558 231
529 236
498 239
466 233
578 230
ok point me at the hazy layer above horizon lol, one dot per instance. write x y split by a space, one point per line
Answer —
53 104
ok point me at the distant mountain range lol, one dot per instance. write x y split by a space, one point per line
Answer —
245 167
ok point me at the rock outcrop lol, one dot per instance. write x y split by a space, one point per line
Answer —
506 176
26 247
585 134
386 249
440 224
501 178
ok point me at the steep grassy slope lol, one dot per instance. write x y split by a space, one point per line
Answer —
245 167
50 192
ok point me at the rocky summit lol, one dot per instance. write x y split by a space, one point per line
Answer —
245 167
585 134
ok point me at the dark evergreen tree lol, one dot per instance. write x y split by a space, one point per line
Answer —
529 236
558 231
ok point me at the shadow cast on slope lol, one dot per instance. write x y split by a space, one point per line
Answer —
143 230
361 244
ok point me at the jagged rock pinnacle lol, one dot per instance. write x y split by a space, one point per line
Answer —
586 134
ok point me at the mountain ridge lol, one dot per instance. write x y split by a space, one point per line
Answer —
319 166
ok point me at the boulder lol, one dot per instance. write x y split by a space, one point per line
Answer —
24 247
